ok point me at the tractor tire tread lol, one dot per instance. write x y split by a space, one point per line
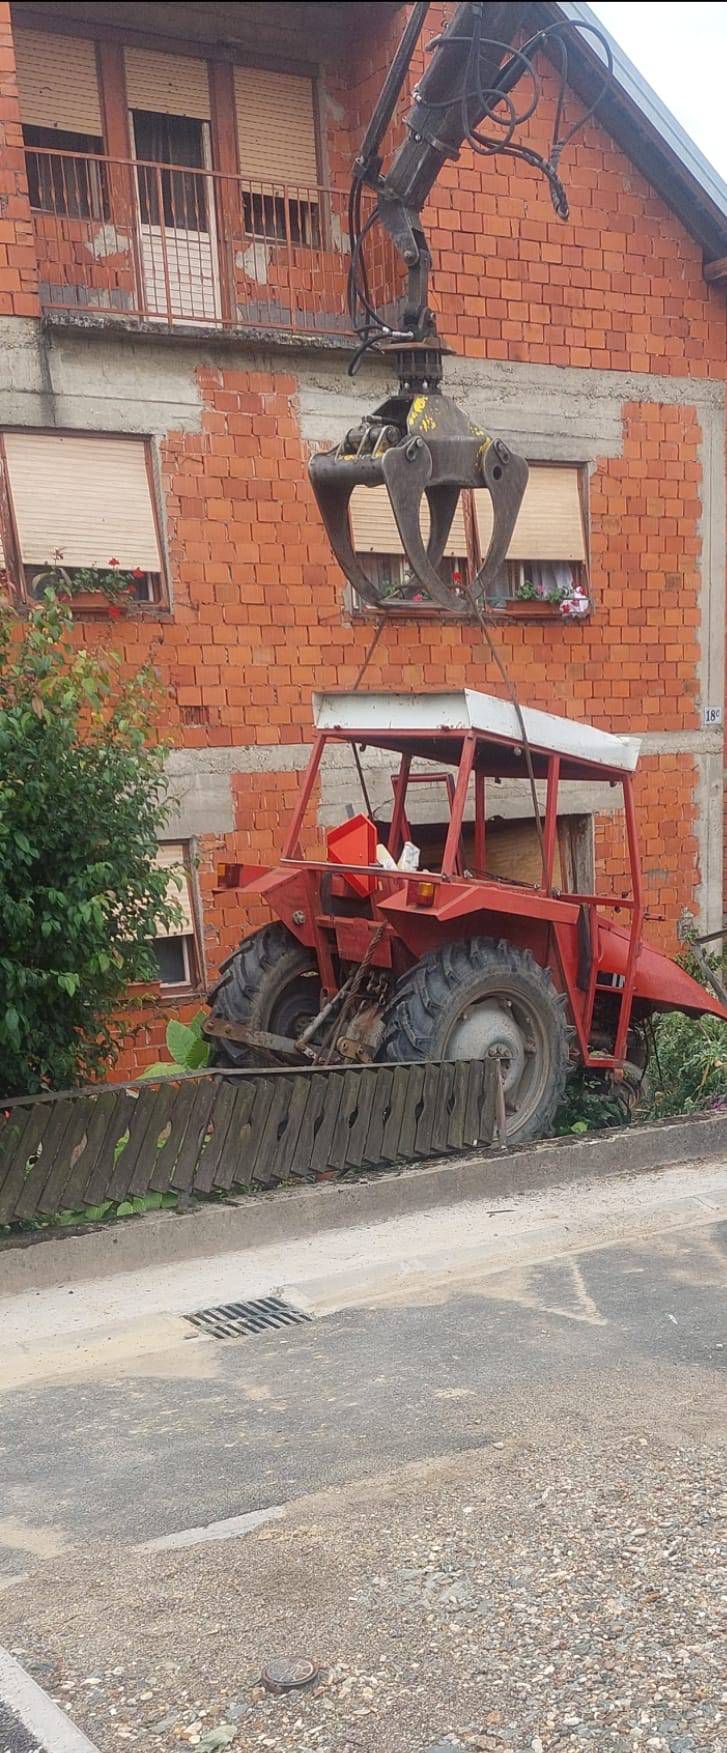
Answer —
236 993
421 995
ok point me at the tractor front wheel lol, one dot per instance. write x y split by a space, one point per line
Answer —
477 997
271 983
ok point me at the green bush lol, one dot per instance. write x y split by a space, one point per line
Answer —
82 803
689 1068
590 1104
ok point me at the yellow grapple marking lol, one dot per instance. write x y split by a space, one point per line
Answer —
419 417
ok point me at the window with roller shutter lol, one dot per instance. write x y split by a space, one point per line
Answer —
58 82
546 565
547 558
60 111
86 499
375 535
276 140
176 946
171 85
169 101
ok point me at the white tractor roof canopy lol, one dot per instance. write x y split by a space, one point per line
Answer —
388 715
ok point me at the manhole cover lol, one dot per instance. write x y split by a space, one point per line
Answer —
282 1675
231 1320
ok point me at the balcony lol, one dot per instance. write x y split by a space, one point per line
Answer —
169 247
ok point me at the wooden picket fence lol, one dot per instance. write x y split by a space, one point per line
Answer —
211 1132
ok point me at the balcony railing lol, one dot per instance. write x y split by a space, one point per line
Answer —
163 244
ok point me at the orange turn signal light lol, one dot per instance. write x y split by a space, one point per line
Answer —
229 876
424 894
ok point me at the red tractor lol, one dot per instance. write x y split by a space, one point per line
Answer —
404 943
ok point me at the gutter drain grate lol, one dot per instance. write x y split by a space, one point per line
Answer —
232 1320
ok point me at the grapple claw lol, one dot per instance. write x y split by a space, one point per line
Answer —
333 486
506 475
419 445
407 471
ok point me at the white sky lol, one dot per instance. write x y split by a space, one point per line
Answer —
682 52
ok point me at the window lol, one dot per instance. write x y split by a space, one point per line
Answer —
171 140
276 137
169 85
512 851
546 560
87 500
375 535
169 100
176 946
75 187
275 219
546 570
58 82
60 110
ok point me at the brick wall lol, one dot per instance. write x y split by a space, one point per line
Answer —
259 618
619 286
258 624
18 264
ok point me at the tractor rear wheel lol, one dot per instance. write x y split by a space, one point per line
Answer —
478 996
271 982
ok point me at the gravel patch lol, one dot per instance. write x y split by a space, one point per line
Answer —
541 1594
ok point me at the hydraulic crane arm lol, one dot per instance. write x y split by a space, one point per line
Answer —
419 443
445 108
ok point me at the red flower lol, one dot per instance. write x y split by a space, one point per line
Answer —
114 562
138 572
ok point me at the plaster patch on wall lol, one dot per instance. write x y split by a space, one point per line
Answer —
105 241
254 261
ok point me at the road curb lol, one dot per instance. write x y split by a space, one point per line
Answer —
37 1713
46 1261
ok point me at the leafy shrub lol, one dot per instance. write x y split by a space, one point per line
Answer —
689 1069
590 1104
82 803
187 1049
106 1212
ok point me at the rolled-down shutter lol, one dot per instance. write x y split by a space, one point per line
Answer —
88 499
170 857
58 82
550 522
276 127
374 531
168 85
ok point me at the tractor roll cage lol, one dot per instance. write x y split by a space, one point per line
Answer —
477 757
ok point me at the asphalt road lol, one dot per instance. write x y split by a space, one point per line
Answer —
14 1738
215 1429
478 1486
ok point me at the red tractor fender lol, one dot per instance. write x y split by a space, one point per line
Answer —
658 979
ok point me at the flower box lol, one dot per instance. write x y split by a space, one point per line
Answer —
96 602
526 609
